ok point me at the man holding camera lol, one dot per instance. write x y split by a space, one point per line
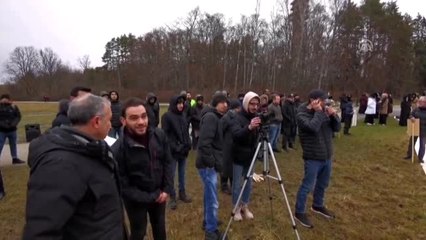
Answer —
245 133
316 122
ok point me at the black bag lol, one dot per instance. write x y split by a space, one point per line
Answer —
32 131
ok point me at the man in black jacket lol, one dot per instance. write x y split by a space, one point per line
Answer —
245 133
145 167
73 189
195 113
209 161
116 114
289 125
175 125
10 116
316 123
153 109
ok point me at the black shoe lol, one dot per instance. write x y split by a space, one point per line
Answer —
407 157
184 198
304 220
173 204
323 211
17 161
2 195
276 150
216 235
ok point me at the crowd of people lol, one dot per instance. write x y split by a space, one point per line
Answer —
78 184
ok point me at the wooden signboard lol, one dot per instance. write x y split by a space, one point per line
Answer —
413 127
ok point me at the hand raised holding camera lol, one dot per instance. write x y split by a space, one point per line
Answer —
330 111
254 123
316 105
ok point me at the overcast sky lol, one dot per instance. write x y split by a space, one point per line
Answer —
74 28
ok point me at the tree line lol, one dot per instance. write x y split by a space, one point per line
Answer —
339 46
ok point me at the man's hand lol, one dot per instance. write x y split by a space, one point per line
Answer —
162 198
257 177
254 123
316 105
330 111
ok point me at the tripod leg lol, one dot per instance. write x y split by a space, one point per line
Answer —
266 172
280 181
240 195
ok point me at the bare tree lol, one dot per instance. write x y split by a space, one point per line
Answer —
49 62
84 62
23 61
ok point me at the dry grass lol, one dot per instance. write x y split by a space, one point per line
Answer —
374 193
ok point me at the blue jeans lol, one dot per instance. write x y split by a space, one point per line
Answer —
239 172
317 177
12 136
181 165
211 203
274 133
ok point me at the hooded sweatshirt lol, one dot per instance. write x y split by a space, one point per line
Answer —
73 189
116 111
153 110
245 140
175 125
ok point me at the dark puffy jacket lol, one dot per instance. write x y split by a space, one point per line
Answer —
315 133
210 141
116 114
153 110
289 112
175 126
227 122
73 189
144 172
10 116
245 141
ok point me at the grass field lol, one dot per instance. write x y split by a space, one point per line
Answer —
374 193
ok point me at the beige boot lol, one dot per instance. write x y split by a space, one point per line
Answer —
237 215
246 212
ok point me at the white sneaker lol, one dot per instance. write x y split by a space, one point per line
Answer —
246 212
237 215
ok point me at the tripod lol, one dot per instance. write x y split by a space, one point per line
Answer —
263 140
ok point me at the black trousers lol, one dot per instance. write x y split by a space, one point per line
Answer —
348 123
383 118
138 212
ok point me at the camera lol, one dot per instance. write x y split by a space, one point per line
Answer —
265 117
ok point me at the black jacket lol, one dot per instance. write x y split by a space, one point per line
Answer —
144 172
315 132
10 116
175 126
153 110
245 141
116 114
289 111
62 116
210 141
195 113
227 122
73 189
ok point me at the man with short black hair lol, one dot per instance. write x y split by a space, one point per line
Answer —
79 91
73 188
209 161
316 123
145 167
